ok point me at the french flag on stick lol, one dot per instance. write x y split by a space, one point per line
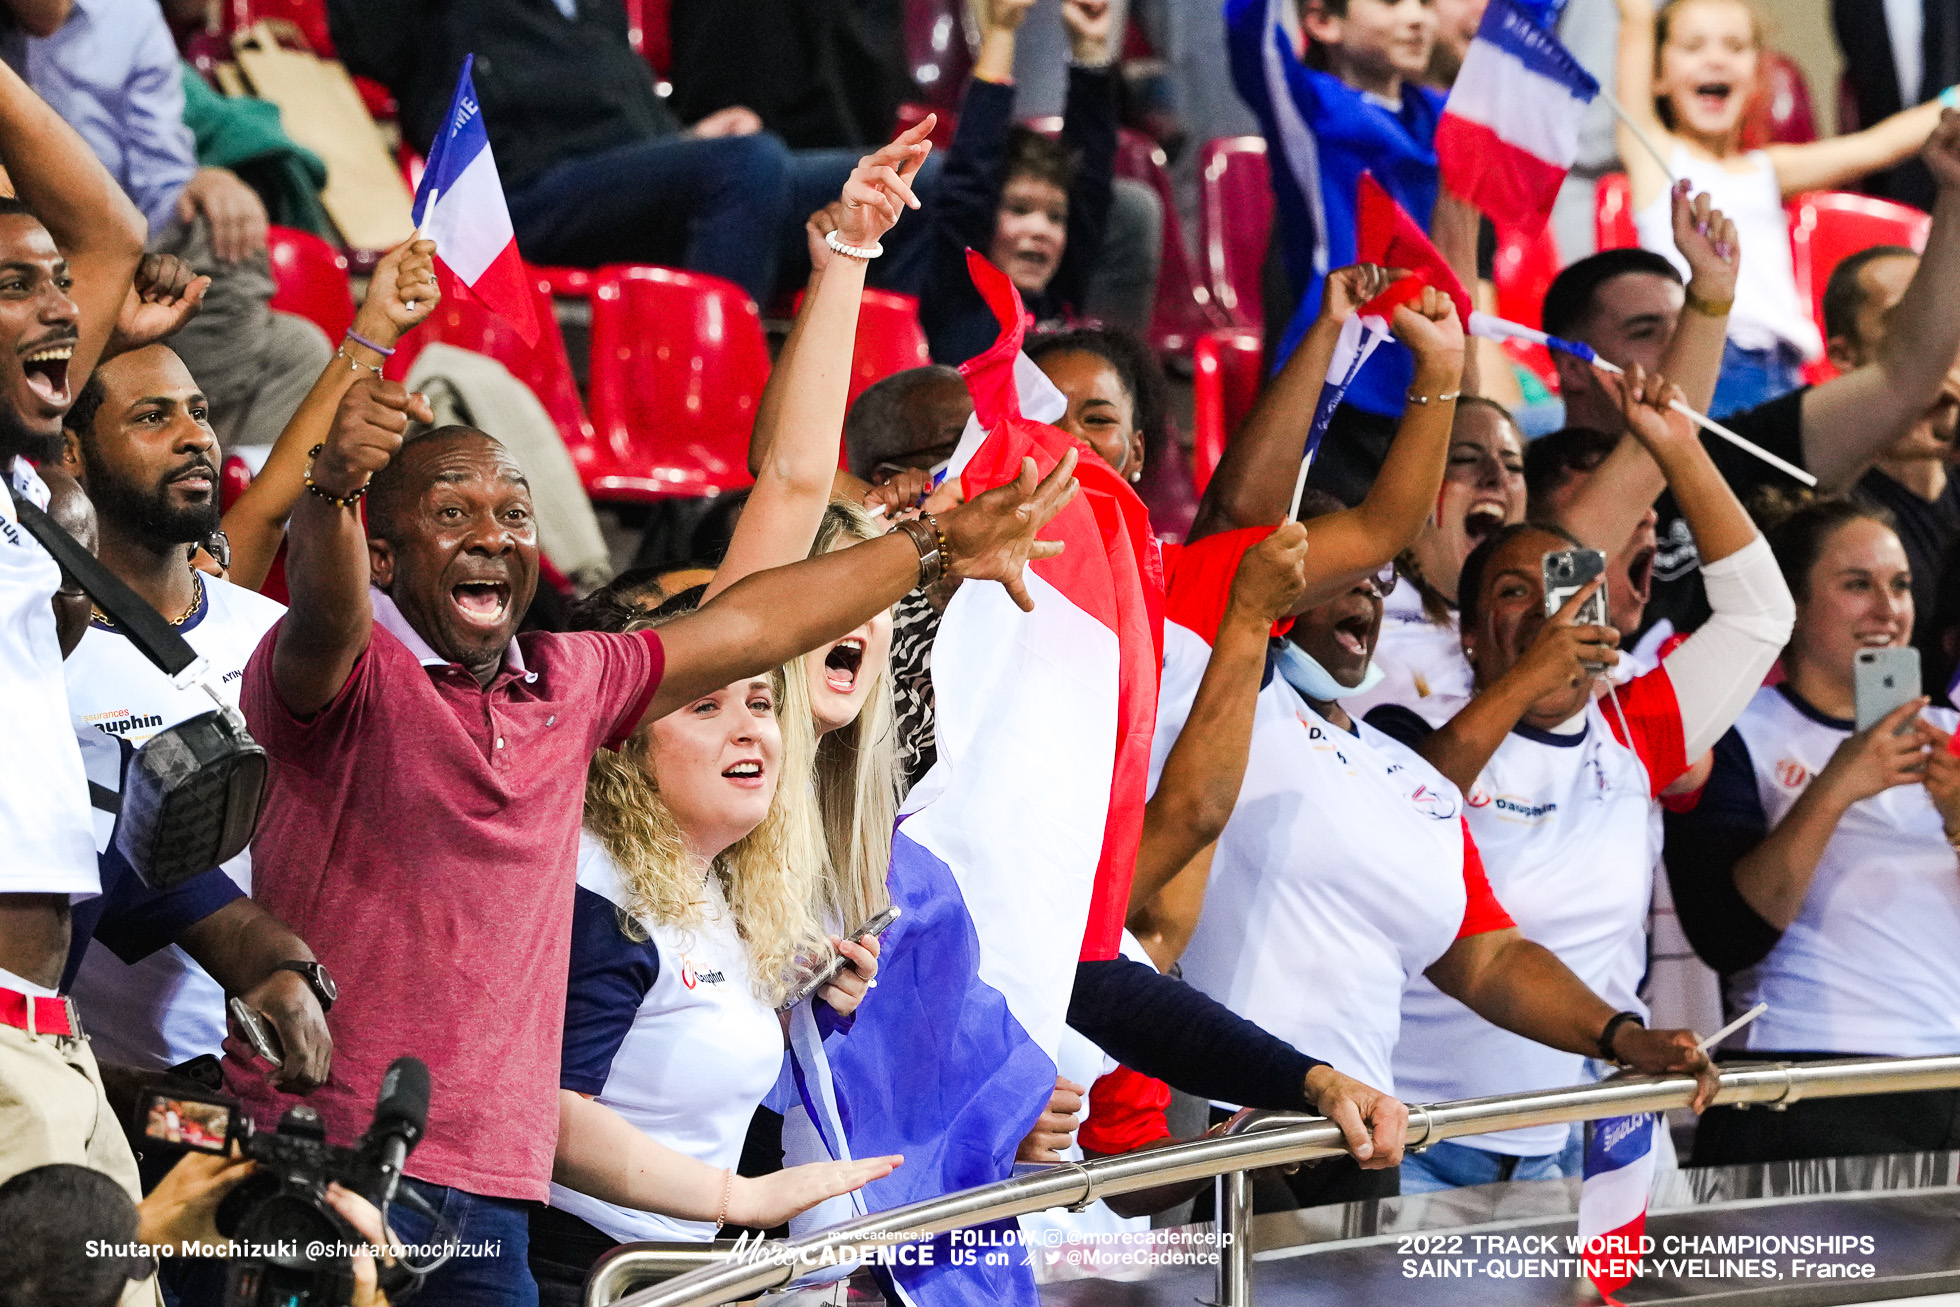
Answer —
1014 855
460 206
1619 1171
1510 129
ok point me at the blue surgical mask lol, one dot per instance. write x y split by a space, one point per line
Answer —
1304 673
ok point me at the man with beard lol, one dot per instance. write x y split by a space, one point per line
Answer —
153 983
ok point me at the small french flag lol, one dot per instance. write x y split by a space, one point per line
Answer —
1510 129
1619 1171
460 206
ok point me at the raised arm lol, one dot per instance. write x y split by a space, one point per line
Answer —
768 618
1201 777
327 627
1089 129
94 225
793 451
1830 163
400 295
1849 420
1633 71
1615 499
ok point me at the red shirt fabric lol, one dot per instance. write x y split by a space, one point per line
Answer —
421 834
1482 913
1126 1111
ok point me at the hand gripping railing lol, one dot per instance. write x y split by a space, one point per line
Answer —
1256 1139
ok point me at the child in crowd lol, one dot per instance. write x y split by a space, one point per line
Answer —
1685 76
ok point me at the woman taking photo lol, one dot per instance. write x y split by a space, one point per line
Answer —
1817 872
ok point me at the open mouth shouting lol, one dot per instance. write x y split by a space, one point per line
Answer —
1482 519
1351 633
747 773
843 663
45 365
1713 97
1640 573
482 604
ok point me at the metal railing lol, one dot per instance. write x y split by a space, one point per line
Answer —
1256 1140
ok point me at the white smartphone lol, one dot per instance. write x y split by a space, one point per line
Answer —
1883 680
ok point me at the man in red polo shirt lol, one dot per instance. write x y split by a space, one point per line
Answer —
429 772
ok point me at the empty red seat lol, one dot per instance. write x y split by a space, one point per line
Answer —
678 366
1826 226
462 321
310 278
1235 223
936 50
1613 213
889 339
1183 310
1226 367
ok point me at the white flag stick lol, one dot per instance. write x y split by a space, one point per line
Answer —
1731 1028
1640 134
1482 324
1299 487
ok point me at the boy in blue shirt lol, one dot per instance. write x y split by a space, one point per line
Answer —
1367 111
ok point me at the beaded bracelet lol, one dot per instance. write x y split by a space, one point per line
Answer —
866 252
353 362
1444 398
727 1192
336 500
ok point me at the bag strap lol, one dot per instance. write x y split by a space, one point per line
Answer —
134 617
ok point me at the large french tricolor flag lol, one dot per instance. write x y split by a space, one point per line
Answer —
1013 857
1510 129
1619 1171
460 206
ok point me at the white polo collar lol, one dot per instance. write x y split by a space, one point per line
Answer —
389 618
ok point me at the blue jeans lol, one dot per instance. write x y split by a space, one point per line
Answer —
1754 376
716 206
1452 1166
502 1278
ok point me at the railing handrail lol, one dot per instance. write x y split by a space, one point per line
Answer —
1266 1139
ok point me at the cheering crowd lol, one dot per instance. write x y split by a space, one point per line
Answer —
597 861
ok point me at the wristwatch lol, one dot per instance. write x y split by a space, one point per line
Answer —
317 980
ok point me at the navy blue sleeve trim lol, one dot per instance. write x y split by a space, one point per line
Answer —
1401 724
1165 1028
611 977
1702 849
136 920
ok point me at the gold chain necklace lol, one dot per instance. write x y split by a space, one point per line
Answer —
197 602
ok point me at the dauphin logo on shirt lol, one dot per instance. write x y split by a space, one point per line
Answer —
692 976
1791 774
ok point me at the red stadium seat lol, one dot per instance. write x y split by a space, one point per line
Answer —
1184 309
678 366
234 475
1235 221
310 279
1613 213
1224 386
463 322
567 283
889 339
1826 226
936 50
1522 272
911 114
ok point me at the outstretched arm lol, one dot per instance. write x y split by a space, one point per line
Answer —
1634 71
93 223
1849 420
401 295
1830 163
793 451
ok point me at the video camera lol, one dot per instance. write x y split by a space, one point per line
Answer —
280 1215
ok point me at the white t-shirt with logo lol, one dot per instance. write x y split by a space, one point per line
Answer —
44 804
1872 962
668 1032
164 1009
1570 830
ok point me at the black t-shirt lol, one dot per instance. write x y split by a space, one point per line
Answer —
1925 527
1777 427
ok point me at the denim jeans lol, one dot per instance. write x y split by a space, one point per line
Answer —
716 206
502 1278
1452 1166
1754 376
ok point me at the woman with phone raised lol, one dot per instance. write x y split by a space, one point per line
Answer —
1817 873
1563 787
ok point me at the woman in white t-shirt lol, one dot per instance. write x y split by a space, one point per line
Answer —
1564 787
1347 870
1817 872
1419 653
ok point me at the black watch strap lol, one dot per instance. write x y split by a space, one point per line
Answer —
1613 1025
317 980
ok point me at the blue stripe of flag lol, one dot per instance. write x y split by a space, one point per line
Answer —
456 146
1513 28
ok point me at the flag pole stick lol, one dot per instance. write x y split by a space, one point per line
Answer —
1299 487
1640 133
1490 328
1731 1028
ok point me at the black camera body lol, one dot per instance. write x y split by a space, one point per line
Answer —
280 1217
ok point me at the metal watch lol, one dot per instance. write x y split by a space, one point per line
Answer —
317 980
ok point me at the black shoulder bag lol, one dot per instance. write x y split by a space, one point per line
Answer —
191 794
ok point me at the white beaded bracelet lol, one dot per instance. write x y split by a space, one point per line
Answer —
866 252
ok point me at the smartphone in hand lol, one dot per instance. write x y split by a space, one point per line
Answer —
817 979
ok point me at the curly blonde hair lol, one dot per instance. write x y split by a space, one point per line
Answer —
772 877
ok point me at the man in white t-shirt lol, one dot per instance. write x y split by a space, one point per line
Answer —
140 441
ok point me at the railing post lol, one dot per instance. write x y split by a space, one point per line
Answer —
1232 1220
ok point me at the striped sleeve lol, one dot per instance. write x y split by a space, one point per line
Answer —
1645 717
611 976
1482 913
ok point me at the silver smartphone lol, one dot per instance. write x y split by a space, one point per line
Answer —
1883 680
816 980
256 1031
1566 573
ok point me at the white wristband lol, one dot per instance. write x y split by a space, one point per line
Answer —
866 252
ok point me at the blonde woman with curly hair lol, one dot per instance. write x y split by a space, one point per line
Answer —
697 908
